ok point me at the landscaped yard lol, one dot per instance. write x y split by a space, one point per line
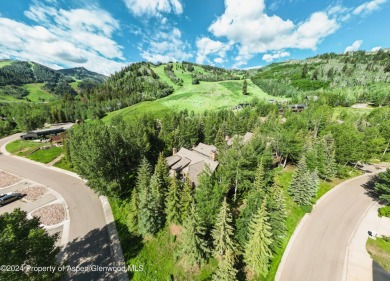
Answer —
46 155
24 148
379 250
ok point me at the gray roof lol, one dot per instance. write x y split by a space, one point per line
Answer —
205 149
193 162
242 139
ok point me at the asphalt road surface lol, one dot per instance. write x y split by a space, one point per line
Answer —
319 249
88 239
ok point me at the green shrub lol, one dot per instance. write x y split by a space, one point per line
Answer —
384 211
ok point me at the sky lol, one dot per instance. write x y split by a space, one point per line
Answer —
106 35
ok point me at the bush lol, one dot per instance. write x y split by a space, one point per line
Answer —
384 212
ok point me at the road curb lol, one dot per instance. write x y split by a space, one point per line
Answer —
289 246
115 246
306 216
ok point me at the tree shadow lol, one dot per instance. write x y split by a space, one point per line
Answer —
370 188
93 251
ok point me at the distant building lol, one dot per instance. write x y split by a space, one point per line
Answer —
191 163
297 107
242 139
58 139
43 133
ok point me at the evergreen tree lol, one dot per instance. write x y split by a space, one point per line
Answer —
146 207
245 88
173 202
133 213
258 253
301 185
223 232
276 207
330 167
156 204
220 139
314 183
225 270
208 197
382 186
162 172
251 204
194 245
186 199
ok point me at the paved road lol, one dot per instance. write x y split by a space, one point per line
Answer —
88 239
318 251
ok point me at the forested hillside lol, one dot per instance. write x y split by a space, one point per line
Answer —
344 79
30 81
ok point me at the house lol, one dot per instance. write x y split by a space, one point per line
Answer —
192 162
240 106
36 134
242 139
297 107
58 140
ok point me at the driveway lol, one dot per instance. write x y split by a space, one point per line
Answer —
319 249
88 239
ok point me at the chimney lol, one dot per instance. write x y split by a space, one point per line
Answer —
213 155
174 151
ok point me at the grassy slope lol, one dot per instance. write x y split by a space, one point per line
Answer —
37 94
23 148
379 250
5 63
197 98
46 155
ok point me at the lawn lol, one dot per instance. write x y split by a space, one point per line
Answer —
379 250
22 147
46 155
64 164
37 94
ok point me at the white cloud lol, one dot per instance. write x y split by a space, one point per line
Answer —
219 60
271 57
375 49
368 7
354 47
256 32
64 38
154 7
165 47
206 46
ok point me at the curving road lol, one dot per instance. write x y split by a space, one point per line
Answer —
319 249
88 238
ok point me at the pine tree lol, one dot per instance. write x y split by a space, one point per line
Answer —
223 232
331 168
225 270
194 246
245 88
259 182
162 172
220 139
258 253
382 186
173 202
300 184
276 207
156 203
314 183
186 200
144 197
252 203
132 218
149 218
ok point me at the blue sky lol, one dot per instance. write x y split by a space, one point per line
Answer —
105 35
